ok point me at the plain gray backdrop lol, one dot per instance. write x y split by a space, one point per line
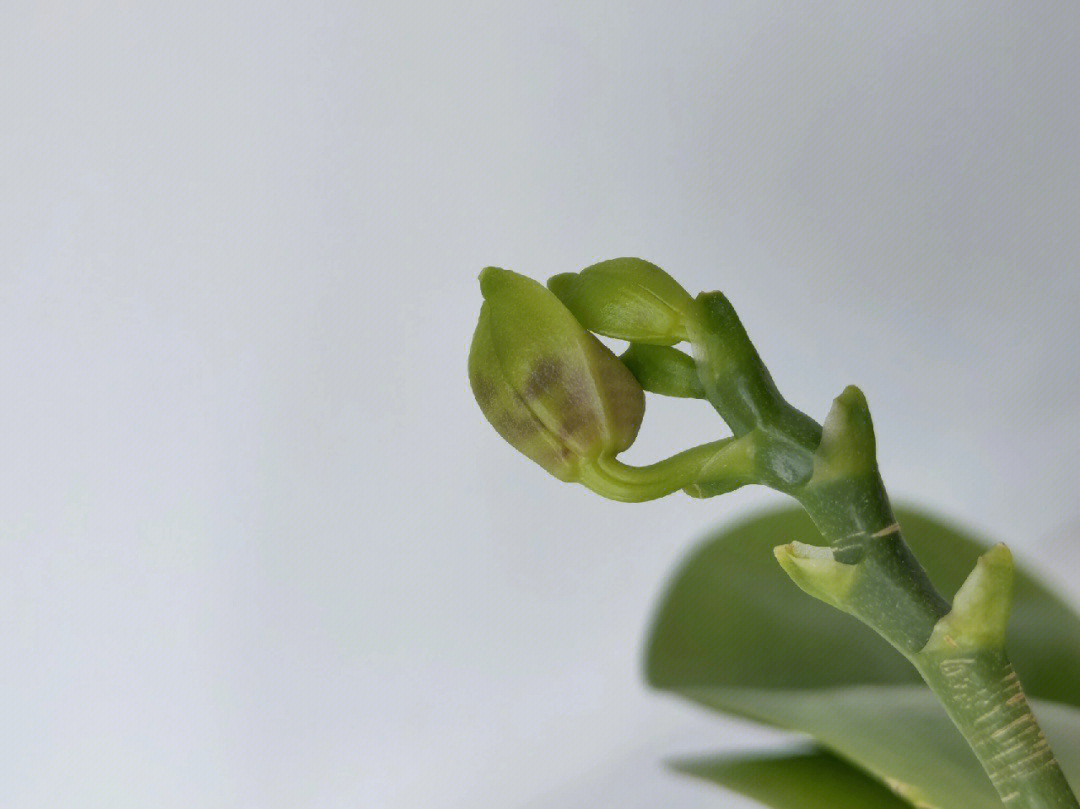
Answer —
258 547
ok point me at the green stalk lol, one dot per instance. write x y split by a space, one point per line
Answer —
725 459
560 397
868 570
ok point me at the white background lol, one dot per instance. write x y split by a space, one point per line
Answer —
258 547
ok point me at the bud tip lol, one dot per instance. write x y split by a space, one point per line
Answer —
491 279
562 284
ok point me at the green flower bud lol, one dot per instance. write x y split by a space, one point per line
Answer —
664 370
627 298
548 386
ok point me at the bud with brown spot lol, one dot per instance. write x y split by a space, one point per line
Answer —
549 387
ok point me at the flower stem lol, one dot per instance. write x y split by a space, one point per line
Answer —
868 570
722 463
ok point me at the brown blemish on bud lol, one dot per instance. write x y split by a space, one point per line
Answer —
544 377
578 411
553 390
624 401
483 390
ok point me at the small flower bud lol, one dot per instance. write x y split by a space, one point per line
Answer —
664 370
627 298
549 387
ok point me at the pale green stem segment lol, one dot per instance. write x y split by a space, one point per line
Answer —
964 662
966 657
725 464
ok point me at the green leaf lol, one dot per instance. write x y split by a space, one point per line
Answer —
899 734
811 779
734 633
732 618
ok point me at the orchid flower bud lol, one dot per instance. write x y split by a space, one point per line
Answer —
549 387
627 298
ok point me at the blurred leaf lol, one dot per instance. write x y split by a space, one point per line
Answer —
732 618
812 779
733 633
899 734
